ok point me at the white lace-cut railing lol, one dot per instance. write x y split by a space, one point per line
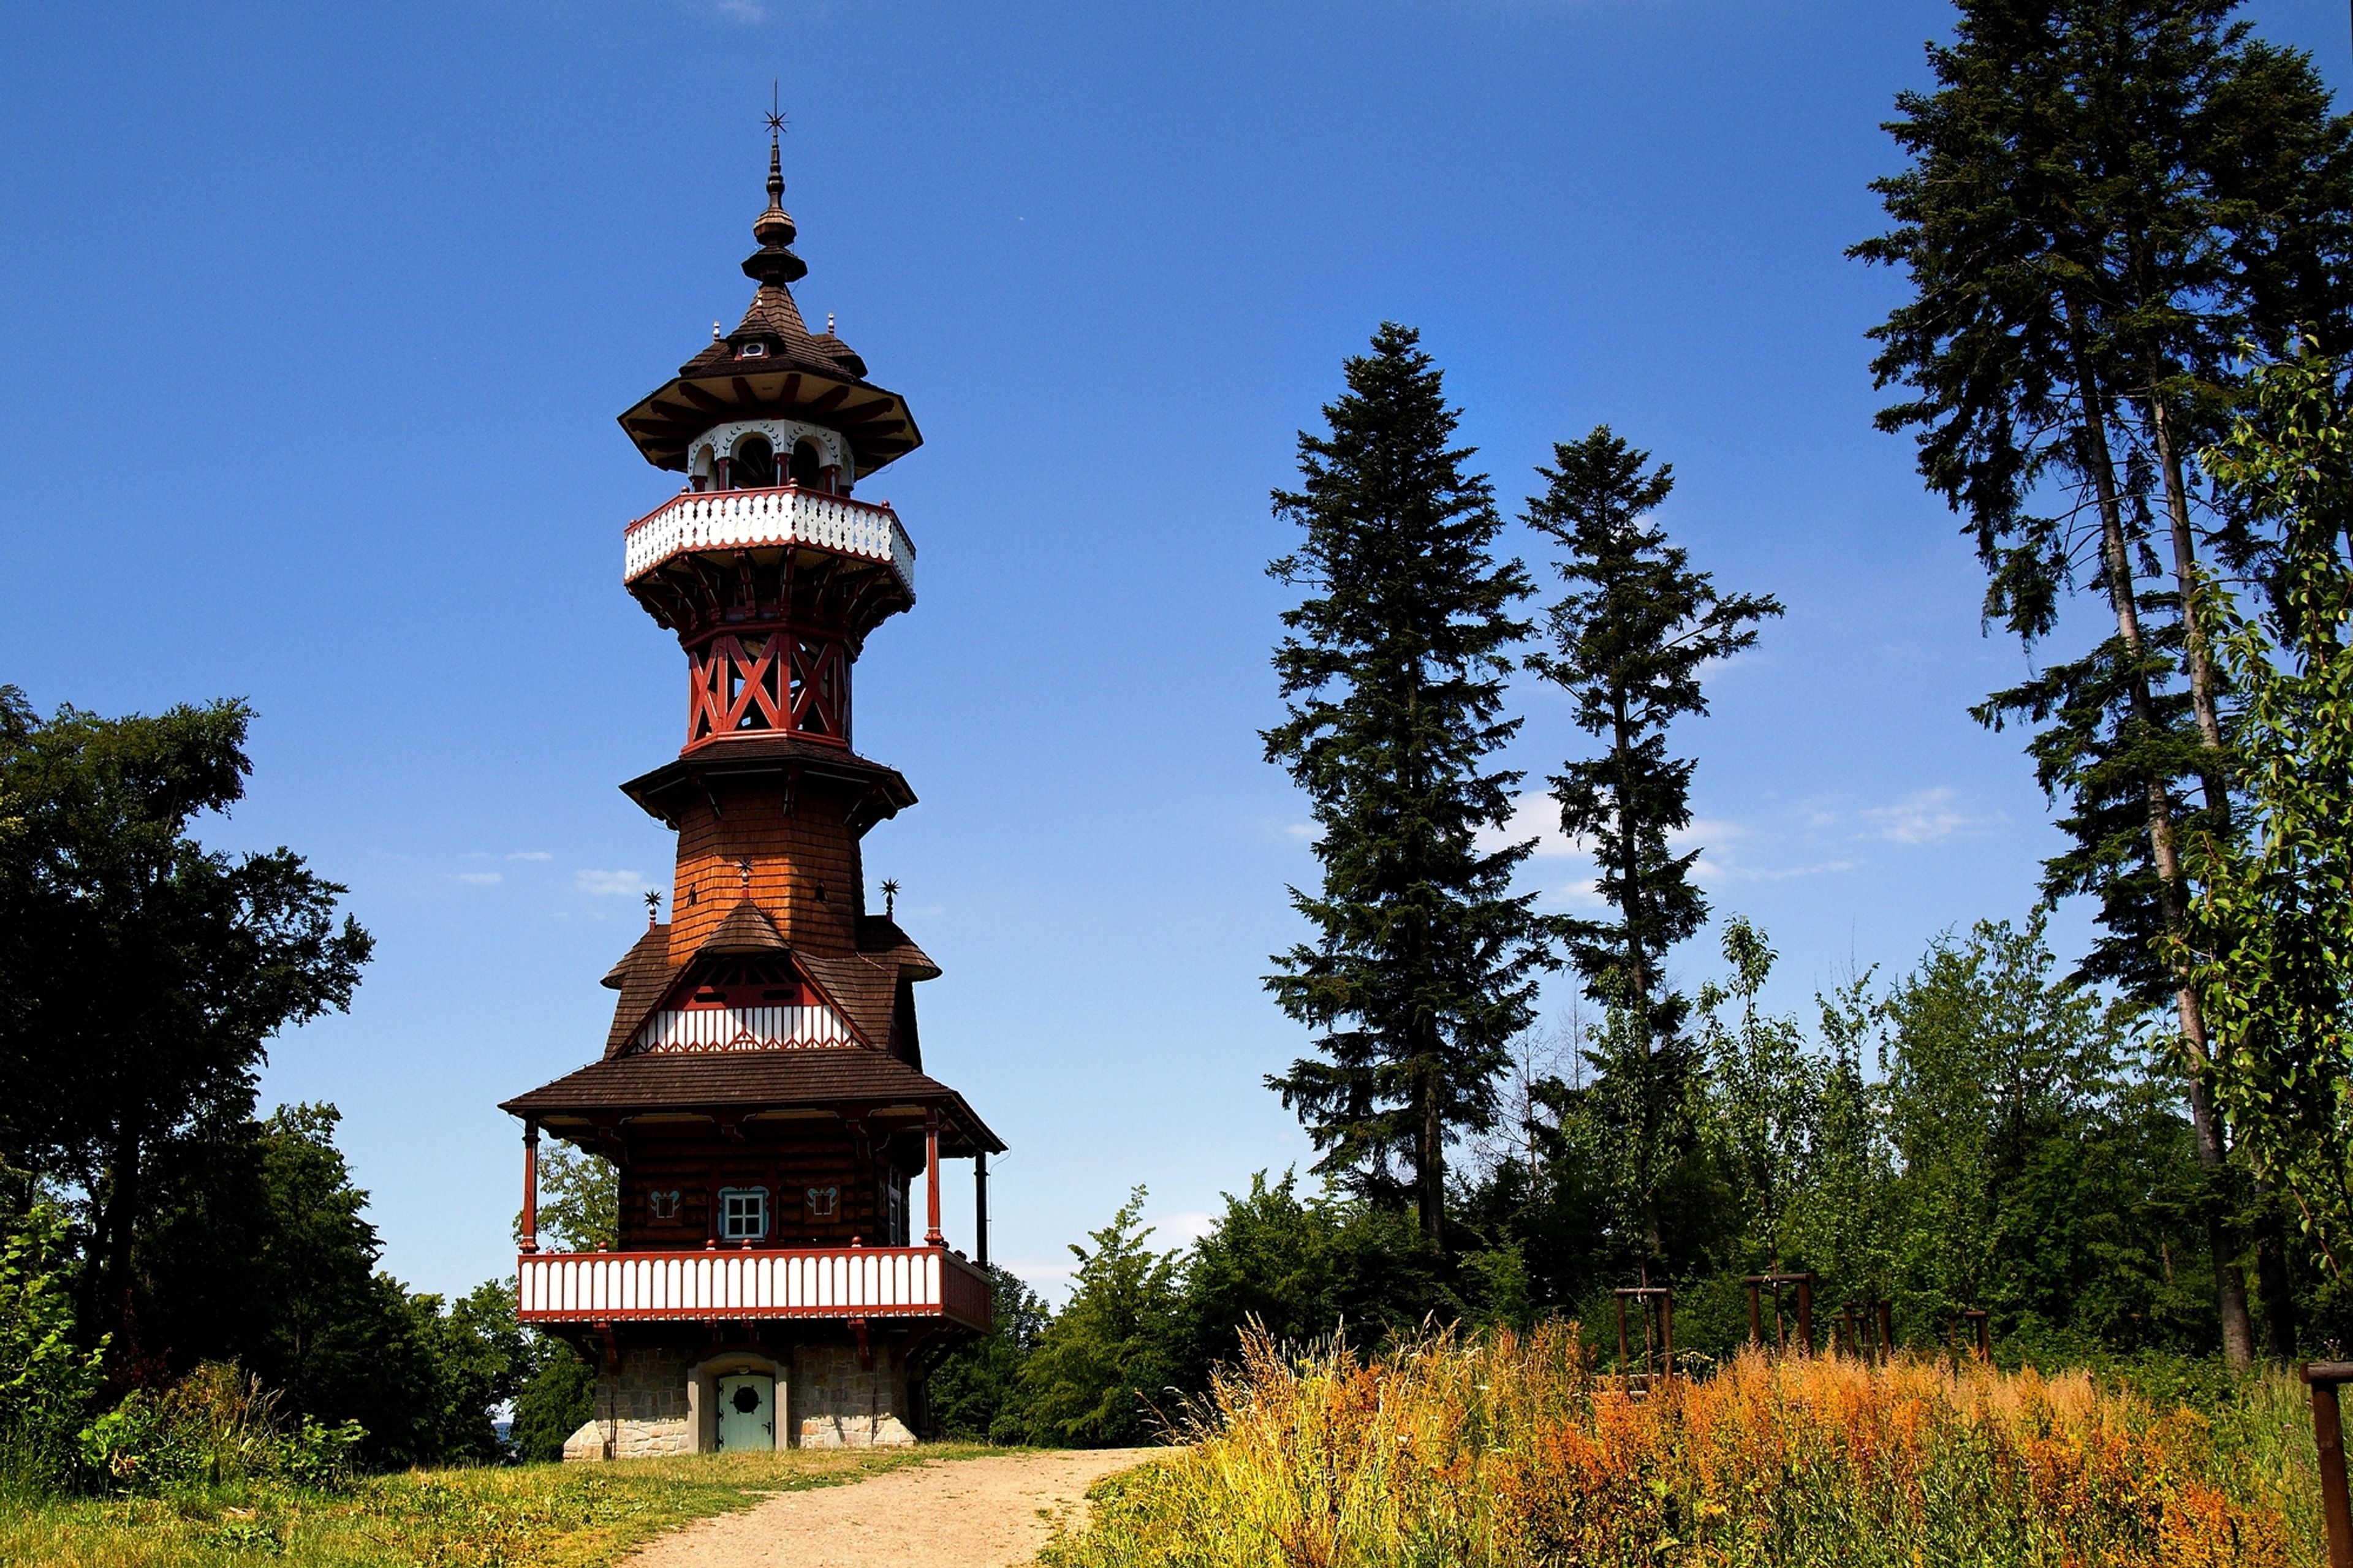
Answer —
753 520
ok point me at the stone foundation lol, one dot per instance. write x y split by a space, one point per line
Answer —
628 1440
657 1400
641 1410
838 1404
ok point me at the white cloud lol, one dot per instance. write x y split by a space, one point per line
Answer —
1299 830
1927 816
745 11
618 884
531 855
1182 1229
478 879
1537 815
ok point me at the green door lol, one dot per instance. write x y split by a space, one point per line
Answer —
747 1411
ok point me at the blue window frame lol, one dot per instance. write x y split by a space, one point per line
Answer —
743 1213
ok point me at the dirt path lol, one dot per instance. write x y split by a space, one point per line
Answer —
959 1513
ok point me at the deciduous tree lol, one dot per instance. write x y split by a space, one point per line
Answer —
141 975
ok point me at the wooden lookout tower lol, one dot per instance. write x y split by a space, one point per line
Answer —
781 1277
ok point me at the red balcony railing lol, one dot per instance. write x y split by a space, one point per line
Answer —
710 1284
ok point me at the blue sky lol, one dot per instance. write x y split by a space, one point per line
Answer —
317 320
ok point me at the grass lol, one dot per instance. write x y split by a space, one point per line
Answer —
1503 1452
530 1516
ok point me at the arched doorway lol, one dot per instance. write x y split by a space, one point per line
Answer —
754 468
808 470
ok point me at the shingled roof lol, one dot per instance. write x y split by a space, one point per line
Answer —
773 366
884 789
846 1079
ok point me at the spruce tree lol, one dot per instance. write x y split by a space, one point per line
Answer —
2105 196
1629 639
1424 962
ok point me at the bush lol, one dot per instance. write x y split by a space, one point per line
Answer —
217 1427
46 1382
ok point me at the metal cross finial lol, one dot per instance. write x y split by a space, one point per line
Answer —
890 898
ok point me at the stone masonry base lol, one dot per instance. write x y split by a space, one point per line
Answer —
660 1398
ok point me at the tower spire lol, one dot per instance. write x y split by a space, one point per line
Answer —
773 263
776 149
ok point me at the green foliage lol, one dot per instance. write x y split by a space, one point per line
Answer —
1302 1269
579 1199
141 975
217 1427
1109 1359
1423 964
2273 934
977 1393
555 1400
46 1379
261 1253
2043 1178
1767 1094
1629 639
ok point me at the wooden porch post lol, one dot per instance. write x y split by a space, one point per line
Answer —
531 1186
932 1234
980 1207
2329 1437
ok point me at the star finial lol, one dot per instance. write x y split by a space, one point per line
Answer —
744 868
653 907
890 898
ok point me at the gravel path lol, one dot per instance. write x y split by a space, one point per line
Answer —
961 1513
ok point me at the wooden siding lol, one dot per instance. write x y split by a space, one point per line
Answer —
793 853
787 1158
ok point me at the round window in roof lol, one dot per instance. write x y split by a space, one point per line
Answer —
753 351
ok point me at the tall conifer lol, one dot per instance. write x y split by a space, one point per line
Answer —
1630 638
2105 196
1424 963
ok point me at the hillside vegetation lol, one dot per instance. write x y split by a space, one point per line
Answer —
1507 1450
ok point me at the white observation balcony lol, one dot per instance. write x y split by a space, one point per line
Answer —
769 518
847 1283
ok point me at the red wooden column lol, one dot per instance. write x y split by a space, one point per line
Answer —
531 1186
932 1235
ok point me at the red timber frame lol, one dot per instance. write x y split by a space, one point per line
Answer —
754 682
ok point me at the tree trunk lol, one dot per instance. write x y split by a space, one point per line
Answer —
2230 1287
2271 1276
1638 979
2271 1253
1432 1174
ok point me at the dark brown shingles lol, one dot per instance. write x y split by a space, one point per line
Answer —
830 1077
647 974
881 939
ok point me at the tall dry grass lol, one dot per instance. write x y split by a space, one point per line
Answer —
1510 1451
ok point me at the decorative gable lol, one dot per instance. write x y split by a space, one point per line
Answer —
754 1003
